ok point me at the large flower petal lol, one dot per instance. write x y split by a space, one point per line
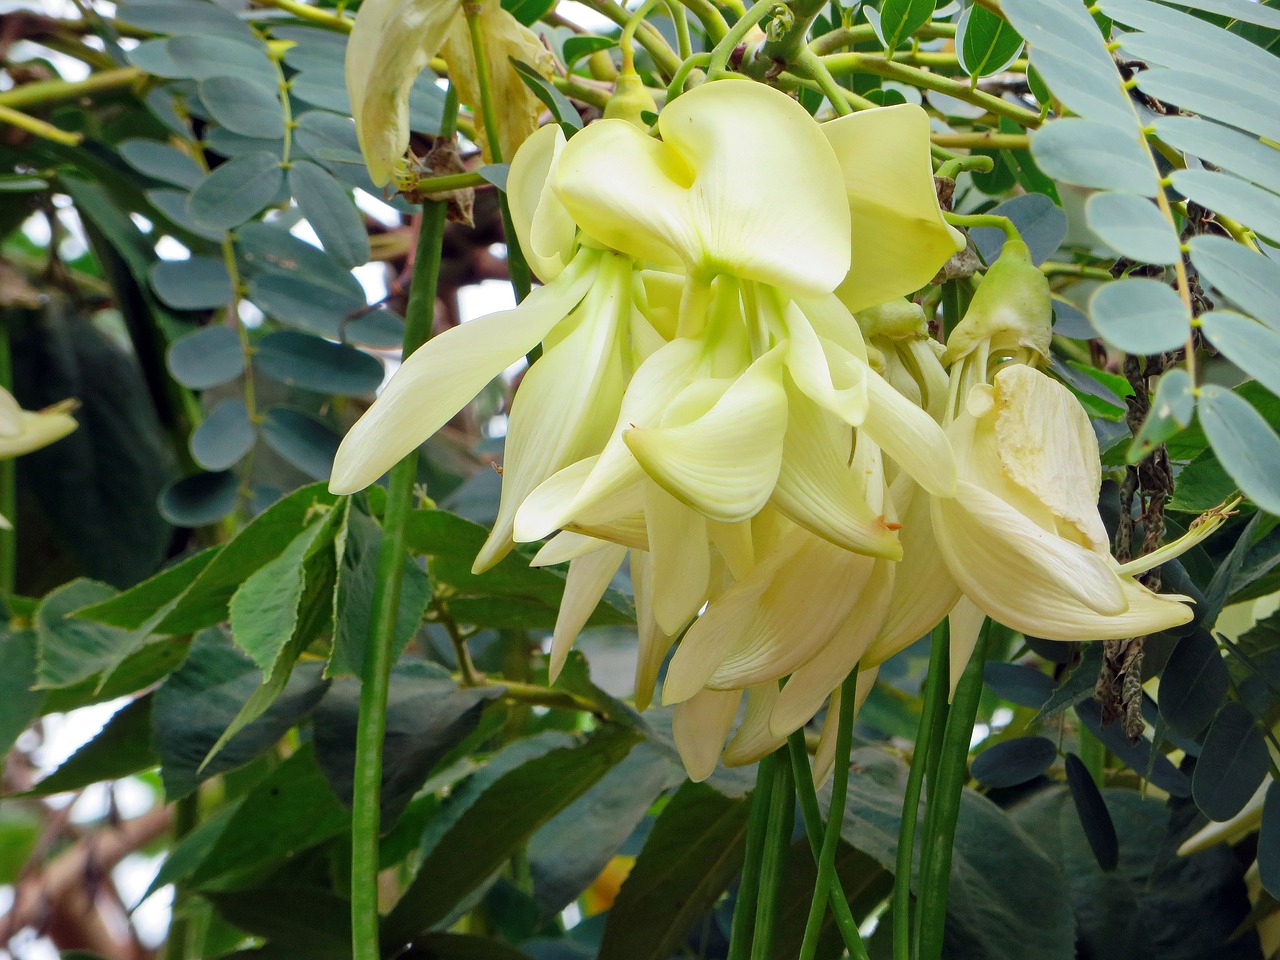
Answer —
653 643
681 558
445 374
909 437
699 726
390 43
589 577
899 237
725 463
753 739
740 183
964 626
543 226
1064 591
22 431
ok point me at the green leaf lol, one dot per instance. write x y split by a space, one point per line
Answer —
330 307
1133 227
1140 316
1026 686
184 18
202 56
207 357
1011 762
555 101
899 19
323 87
358 544
1171 411
427 716
985 43
132 608
70 649
1233 151
20 702
198 283
303 439
243 106
1202 484
121 748
1090 153
460 946
1140 756
1232 197
237 190
1233 98
1253 348
225 436
172 206
197 703
310 920
21 183
495 173
1040 222
1249 279
1245 10
527 12
289 811
319 365
1193 684
265 608
695 849
1094 816
200 499
329 209
1231 765
1072 58
571 850
576 48
329 139
1245 444
1076 686
501 819
161 161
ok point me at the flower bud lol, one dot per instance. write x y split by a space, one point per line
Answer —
630 101
1012 311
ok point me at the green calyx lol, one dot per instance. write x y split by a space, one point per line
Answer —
1012 311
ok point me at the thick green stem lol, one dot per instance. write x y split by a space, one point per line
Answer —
48 92
992 220
725 47
935 697
945 793
372 718
744 911
812 816
818 71
777 843
835 817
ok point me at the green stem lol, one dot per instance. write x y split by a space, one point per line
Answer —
648 35
935 694
835 816
995 221
676 87
945 794
8 486
177 946
744 911
680 17
48 92
812 817
517 267
933 755
627 39
979 163
816 69
725 47
372 717
777 843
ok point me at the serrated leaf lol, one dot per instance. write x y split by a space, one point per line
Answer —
120 749
1140 316
71 649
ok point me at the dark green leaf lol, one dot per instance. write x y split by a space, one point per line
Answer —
1171 411
200 499
527 12
324 87
313 363
172 205
207 357
1193 684
237 190
139 603
310 920
202 56
459 946
1094 816
1023 685
1078 685
1231 765
161 162
1040 222
197 703
70 649
199 283
506 815
303 439
1269 841
694 850
184 18
243 106
986 43
121 748
555 101
495 173
21 183
427 716
329 209
225 436
575 48
1140 316
1011 762
1245 444
899 19
20 702
1140 756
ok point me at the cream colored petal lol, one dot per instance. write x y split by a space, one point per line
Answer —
797 614
899 237
725 463
564 547
653 643
567 401
964 625
733 542
629 531
909 437
446 373
1047 446
543 226
802 695
700 726
10 415
589 577
391 41
753 740
740 183
1203 527
825 756
1065 591
38 428
828 374
1229 831
818 490
681 564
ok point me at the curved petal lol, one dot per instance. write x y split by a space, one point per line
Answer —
589 577
909 437
696 196
567 400
840 386
1065 591
681 558
391 41
653 643
725 463
34 429
753 740
802 695
964 625
734 544
899 237
543 226
446 373
564 547
700 725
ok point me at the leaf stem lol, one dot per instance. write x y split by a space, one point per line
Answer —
39 128
45 92
316 15
934 694
945 793
372 717
835 94
992 220
737 33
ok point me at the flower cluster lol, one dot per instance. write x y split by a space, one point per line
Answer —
734 395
